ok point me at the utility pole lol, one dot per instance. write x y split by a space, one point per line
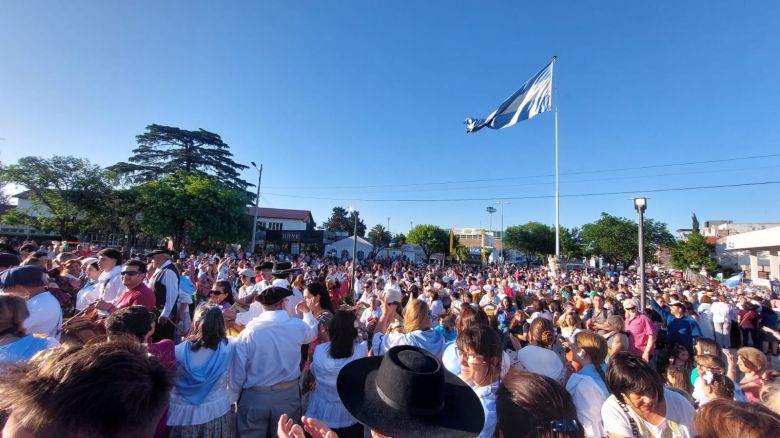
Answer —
257 207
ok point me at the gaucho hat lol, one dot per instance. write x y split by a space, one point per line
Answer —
408 393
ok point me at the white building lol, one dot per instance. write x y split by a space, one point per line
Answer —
282 219
344 247
759 246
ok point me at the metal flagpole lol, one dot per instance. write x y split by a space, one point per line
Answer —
557 205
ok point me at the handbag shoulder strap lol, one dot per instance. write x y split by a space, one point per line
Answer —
631 421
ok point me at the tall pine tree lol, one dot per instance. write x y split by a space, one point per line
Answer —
165 150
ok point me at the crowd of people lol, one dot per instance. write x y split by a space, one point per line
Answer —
162 343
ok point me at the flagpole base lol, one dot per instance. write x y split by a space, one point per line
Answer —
553 262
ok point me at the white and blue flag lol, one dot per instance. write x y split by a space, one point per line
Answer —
534 97
733 281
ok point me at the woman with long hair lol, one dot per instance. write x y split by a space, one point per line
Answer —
587 387
201 401
328 359
479 349
416 329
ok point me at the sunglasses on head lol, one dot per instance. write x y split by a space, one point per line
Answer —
130 273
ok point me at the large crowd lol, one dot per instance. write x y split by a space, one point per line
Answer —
123 343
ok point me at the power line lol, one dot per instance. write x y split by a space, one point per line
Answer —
573 195
570 181
509 178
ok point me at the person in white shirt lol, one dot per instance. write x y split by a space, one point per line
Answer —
282 274
266 280
640 405
266 365
170 306
371 315
721 320
90 292
328 359
29 282
109 281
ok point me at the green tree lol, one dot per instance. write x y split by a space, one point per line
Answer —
342 220
462 253
165 150
398 240
65 192
431 239
193 208
613 238
693 252
695 223
533 239
571 243
380 238
616 239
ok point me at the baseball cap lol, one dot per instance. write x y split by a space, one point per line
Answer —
248 273
393 295
29 275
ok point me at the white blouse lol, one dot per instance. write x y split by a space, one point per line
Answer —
324 403
183 413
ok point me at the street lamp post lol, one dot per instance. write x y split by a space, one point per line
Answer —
490 209
257 204
354 249
640 204
502 203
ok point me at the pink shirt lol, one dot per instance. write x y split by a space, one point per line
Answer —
640 327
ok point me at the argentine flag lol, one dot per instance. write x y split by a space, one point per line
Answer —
534 97
733 281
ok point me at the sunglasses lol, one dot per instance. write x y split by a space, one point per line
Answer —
130 273
216 292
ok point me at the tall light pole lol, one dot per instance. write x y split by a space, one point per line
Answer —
354 248
257 206
502 203
640 204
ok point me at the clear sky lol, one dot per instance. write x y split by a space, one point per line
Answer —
350 102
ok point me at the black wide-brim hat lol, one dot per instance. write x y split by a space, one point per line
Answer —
431 403
281 268
159 251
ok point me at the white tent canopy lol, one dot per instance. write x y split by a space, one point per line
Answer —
343 248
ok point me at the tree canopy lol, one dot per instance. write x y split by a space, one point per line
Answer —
693 252
431 239
341 220
163 151
616 239
533 239
398 240
64 191
194 208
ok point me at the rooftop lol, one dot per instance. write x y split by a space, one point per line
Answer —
282 213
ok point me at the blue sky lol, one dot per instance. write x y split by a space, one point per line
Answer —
349 101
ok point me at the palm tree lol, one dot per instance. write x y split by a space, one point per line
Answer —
380 238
